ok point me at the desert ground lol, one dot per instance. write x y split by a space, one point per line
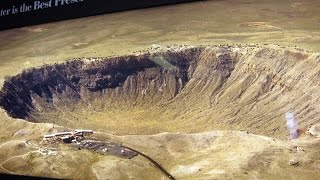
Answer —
208 85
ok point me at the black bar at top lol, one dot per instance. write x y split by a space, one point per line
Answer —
82 8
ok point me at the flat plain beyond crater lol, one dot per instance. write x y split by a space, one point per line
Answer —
212 109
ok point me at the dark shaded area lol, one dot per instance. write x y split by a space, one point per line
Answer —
109 148
71 81
68 78
72 10
18 177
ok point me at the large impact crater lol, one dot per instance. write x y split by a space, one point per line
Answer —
175 89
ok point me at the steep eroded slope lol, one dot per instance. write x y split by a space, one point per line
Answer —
176 89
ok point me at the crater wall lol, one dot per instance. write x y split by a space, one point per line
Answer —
184 89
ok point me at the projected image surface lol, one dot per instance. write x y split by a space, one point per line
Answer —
206 90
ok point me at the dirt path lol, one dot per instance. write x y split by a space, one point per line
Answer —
157 165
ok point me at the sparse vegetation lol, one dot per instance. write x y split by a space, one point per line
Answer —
31 156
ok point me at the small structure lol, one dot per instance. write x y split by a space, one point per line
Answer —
69 137
61 134
49 136
83 132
